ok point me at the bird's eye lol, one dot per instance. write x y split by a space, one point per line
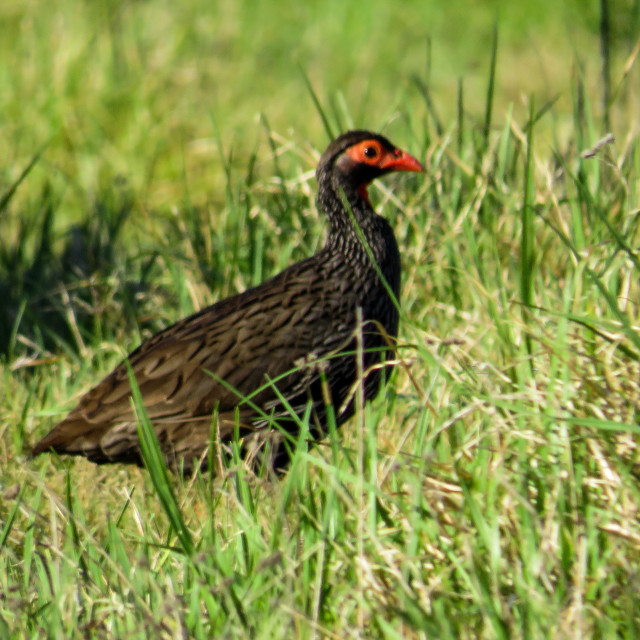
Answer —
370 152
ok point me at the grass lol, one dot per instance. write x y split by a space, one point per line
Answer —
492 490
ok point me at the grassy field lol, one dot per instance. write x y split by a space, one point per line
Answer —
158 156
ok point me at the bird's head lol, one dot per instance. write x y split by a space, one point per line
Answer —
357 157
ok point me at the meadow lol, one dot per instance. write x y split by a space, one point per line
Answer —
159 156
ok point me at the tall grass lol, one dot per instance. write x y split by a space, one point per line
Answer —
490 492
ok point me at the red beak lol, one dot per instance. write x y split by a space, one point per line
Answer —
400 161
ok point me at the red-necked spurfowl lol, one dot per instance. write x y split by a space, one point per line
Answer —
294 333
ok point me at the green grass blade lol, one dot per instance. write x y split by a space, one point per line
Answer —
316 103
154 461
488 112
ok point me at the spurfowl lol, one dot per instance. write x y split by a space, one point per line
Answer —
257 362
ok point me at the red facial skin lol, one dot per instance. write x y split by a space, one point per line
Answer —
373 153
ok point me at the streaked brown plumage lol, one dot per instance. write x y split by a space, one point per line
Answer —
290 330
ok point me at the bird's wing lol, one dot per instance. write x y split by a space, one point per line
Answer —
210 361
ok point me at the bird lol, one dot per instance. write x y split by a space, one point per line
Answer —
252 366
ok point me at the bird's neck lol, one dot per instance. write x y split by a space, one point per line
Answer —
357 234
351 218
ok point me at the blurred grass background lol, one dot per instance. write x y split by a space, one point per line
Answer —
157 156
132 88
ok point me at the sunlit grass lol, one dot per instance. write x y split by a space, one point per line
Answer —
492 490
